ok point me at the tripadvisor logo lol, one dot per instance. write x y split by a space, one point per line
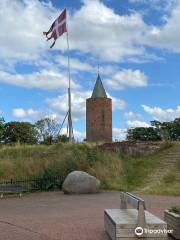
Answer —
139 231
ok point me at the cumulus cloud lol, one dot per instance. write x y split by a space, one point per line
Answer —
22 113
128 78
21 28
158 5
137 123
78 135
167 36
108 34
162 115
132 116
111 36
117 104
75 64
78 98
134 120
43 79
119 134
60 104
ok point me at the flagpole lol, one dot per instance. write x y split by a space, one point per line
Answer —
70 128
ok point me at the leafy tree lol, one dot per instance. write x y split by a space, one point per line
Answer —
143 134
62 138
172 129
48 130
158 131
2 122
22 132
168 130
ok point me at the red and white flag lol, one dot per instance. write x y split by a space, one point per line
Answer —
57 28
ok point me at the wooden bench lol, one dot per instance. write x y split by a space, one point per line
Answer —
11 188
130 224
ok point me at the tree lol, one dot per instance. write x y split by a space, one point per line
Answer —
62 138
143 134
172 129
2 122
175 130
168 130
47 130
21 132
158 131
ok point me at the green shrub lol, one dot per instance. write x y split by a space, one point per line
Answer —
175 209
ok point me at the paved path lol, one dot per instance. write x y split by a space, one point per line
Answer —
54 216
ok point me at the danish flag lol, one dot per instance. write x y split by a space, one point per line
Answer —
57 28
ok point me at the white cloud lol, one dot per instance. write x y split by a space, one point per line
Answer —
117 104
89 31
78 135
134 120
22 113
137 123
94 28
158 5
167 36
22 24
78 98
75 64
60 104
44 79
128 78
119 134
97 29
162 115
131 116
57 107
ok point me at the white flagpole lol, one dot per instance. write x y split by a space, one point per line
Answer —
70 128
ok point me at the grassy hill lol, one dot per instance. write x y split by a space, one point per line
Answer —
158 173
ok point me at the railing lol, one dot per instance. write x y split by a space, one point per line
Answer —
31 185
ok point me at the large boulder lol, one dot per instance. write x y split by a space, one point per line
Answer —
80 182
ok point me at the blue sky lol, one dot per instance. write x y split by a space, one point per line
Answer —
136 43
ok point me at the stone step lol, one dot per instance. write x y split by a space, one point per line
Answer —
166 166
168 163
172 155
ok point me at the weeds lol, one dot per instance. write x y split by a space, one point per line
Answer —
116 171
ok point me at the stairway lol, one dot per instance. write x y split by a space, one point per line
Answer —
168 167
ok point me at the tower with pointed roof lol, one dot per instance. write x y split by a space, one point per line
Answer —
99 115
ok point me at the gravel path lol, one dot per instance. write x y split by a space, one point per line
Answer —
55 216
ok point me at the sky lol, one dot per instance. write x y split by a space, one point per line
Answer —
135 42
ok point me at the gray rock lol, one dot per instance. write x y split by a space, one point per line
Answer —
80 182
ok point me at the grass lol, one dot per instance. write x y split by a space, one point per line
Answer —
116 171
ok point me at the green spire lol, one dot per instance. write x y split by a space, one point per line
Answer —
99 91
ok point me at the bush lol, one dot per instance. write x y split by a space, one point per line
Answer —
175 209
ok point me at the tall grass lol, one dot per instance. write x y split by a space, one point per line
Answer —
116 171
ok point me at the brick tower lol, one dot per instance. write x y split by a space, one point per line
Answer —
99 115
